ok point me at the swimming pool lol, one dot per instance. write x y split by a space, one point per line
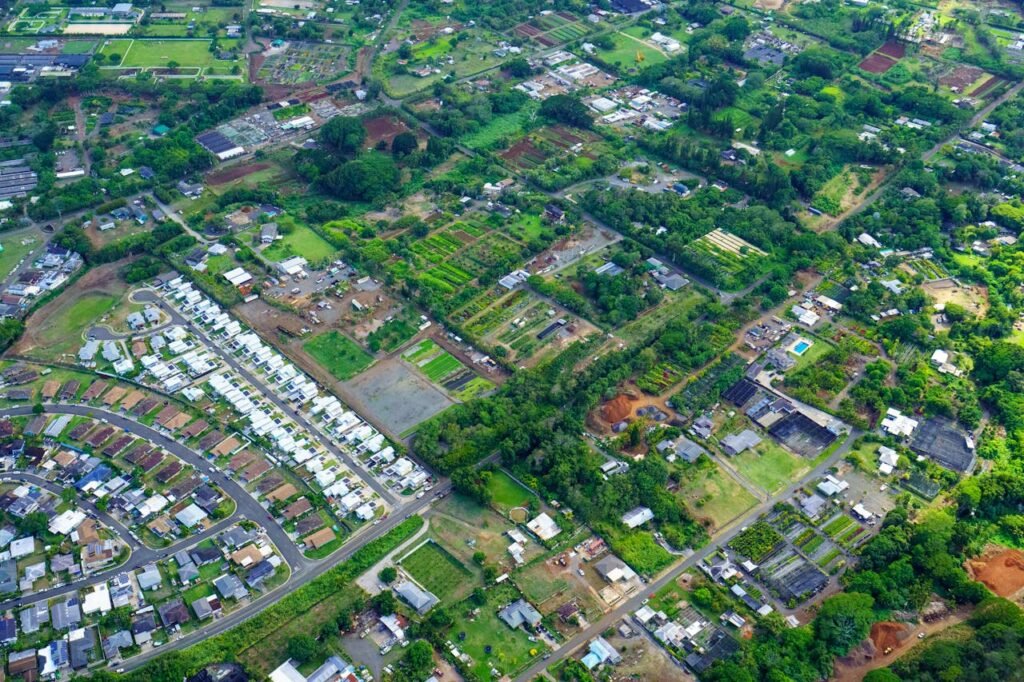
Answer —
801 347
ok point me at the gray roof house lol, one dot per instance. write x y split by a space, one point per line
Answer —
518 613
415 596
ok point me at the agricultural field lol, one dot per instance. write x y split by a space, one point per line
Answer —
558 156
500 128
517 321
443 369
436 570
295 63
435 57
338 354
734 261
757 542
836 195
552 28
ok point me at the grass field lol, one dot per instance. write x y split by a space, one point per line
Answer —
769 466
78 46
157 53
437 570
440 367
501 127
713 494
506 493
510 650
14 251
301 241
626 50
338 354
65 332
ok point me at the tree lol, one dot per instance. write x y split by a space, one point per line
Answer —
843 621
365 179
384 602
419 659
343 134
881 675
302 648
388 574
479 558
567 109
404 144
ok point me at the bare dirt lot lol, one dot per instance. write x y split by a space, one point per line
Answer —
1000 570
972 298
877 63
396 396
642 659
229 174
383 128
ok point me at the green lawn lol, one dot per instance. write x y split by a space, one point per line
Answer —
338 354
157 53
812 354
770 466
301 241
712 493
64 334
437 570
510 650
626 50
506 493
14 251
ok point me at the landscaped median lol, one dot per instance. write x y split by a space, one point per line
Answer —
262 630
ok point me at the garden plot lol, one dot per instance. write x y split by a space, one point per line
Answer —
552 28
810 542
296 63
516 320
443 369
437 571
734 259
533 150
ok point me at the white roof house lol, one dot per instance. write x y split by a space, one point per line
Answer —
544 527
66 521
888 459
637 517
940 357
237 277
22 547
898 424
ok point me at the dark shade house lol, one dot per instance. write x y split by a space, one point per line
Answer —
940 440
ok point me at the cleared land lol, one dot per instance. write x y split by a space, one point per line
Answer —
397 396
769 466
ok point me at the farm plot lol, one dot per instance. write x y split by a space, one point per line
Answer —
552 29
757 542
884 58
443 369
729 260
436 570
845 531
532 151
296 63
928 268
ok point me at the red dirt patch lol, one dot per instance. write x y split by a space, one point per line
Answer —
546 41
1003 573
463 237
888 635
960 77
523 154
229 174
893 49
985 87
877 63
616 409
383 128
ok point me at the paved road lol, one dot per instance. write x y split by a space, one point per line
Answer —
303 569
217 347
295 582
628 607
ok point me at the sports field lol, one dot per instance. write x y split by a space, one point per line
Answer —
437 570
338 354
158 53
